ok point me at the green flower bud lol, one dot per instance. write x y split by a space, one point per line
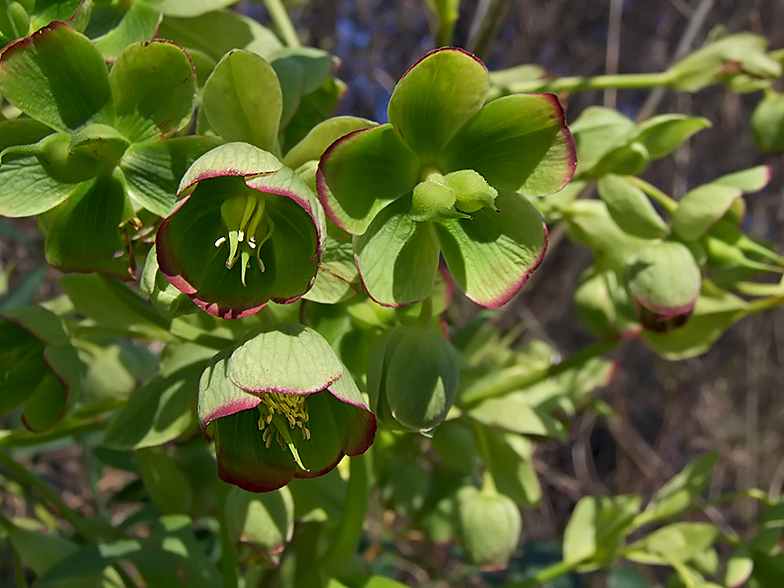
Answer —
412 378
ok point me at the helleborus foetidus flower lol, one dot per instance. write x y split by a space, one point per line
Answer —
412 378
281 405
246 230
434 178
39 369
664 281
490 525
97 146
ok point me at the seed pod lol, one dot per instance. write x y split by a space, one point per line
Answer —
490 525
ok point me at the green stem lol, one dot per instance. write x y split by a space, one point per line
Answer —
579 83
425 318
30 480
349 532
228 555
764 304
280 17
488 483
667 203
545 575
23 438
480 392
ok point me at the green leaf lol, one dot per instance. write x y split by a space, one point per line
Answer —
138 22
739 568
337 278
435 97
152 170
21 131
597 131
518 142
662 134
167 486
259 525
701 208
362 173
747 181
679 542
630 208
243 101
160 411
27 190
706 65
491 255
397 257
519 414
114 307
57 77
287 358
580 533
217 33
46 11
313 145
154 86
454 442
680 492
589 222
87 235
767 124
186 8
511 465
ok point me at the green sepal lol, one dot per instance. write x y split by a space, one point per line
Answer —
362 173
491 256
154 87
57 77
397 257
630 208
26 189
701 208
242 100
517 142
435 97
321 136
153 170
115 26
88 232
100 142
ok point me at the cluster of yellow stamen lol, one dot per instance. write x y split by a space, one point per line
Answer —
247 227
280 414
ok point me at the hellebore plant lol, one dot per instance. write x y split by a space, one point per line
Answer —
448 174
246 230
97 146
281 405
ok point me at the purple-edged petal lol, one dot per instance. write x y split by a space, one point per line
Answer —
362 173
491 255
231 159
519 142
435 97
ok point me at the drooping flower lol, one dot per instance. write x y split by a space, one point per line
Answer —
279 406
245 231
433 180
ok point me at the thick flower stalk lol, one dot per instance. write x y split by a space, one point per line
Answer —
448 174
280 406
245 230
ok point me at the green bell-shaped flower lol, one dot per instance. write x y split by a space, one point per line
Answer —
280 406
246 230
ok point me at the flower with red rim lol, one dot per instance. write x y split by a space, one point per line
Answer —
448 174
245 230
